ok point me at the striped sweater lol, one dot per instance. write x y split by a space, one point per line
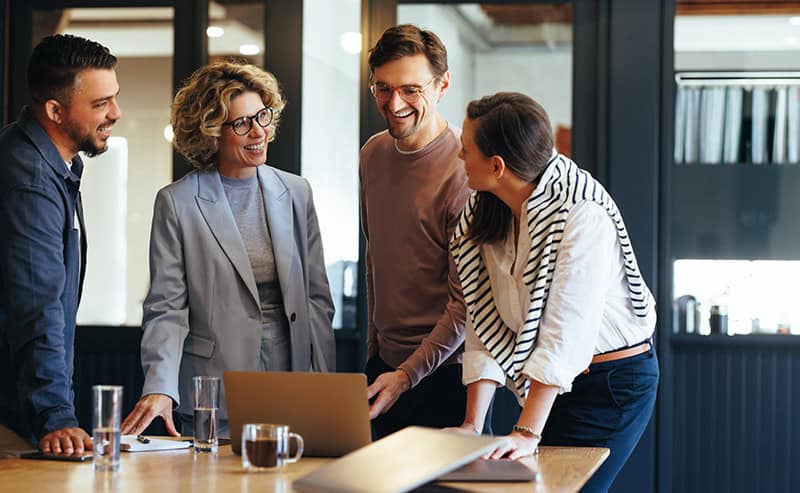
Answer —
563 184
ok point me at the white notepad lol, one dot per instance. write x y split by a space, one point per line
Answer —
131 444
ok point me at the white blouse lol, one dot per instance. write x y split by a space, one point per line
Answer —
588 310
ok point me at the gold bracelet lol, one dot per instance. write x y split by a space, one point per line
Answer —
527 430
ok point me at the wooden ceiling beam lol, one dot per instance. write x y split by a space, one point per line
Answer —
736 7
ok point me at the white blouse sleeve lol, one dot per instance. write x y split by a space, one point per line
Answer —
573 314
478 363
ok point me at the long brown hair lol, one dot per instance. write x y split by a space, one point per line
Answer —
515 127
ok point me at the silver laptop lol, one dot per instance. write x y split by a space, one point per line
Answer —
397 463
329 410
495 471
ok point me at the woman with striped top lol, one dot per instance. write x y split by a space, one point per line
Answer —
557 308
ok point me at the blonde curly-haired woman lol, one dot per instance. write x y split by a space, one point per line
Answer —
237 272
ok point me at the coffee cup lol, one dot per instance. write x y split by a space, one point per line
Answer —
266 446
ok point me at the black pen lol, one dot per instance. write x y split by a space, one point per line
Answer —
141 439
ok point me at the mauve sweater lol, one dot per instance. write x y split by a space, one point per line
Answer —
410 204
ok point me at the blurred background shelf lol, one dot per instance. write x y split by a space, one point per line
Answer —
735 211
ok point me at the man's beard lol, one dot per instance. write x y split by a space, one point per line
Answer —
84 142
91 150
401 133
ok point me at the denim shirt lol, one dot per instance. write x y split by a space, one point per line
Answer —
41 274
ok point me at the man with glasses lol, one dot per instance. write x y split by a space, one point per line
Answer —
73 88
413 188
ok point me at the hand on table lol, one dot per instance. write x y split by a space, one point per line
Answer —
145 412
66 441
514 446
388 387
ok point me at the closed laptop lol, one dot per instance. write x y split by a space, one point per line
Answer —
489 470
397 463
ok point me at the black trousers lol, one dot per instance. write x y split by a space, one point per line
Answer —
438 401
608 407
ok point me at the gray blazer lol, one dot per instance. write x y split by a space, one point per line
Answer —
202 314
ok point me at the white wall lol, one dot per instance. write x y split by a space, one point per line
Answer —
541 73
104 191
330 117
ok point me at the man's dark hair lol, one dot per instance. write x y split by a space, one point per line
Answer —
57 60
409 40
515 127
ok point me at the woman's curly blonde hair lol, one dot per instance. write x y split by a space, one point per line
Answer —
202 105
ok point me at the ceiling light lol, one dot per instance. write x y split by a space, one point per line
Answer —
249 50
790 40
214 32
351 42
795 21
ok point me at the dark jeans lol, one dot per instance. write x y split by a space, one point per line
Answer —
438 401
608 407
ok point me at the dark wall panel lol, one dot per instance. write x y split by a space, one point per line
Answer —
191 53
110 356
633 161
5 12
733 420
283 28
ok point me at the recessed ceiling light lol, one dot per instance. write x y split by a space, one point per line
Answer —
249 50
168 133
795 21
214 32
351 42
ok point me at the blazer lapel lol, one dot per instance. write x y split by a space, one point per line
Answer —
280 214
218 215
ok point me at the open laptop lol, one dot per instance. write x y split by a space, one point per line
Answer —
329 410
397 463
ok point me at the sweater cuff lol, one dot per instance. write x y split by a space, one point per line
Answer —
414 375
57 420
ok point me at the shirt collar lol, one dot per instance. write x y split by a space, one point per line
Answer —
28 124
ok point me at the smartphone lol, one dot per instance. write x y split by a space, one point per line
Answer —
82 457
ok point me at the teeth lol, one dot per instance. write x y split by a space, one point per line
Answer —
403 115
255 147
105 129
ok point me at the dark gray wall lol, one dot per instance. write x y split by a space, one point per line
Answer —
617 135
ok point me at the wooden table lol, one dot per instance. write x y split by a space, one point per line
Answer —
564 469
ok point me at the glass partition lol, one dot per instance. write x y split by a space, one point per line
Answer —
329 136
236 28
119 187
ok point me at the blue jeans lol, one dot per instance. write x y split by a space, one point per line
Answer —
609 406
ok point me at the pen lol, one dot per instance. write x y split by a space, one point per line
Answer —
141 439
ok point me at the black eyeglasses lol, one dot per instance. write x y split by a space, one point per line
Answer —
243 125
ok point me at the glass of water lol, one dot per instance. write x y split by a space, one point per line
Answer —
105 426
206 404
